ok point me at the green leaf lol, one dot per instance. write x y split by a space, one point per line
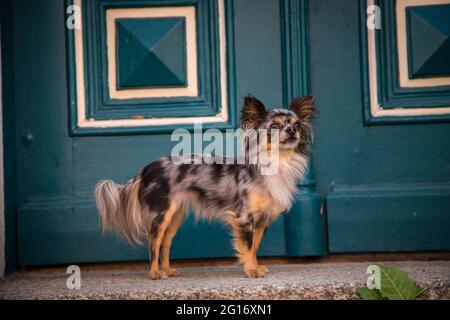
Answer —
370 294
397 285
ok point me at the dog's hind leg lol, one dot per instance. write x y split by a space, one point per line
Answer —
171 230
157 228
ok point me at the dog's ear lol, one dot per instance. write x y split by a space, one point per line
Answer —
303 107
253 113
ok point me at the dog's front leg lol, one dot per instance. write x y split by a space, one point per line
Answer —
245 246
260 230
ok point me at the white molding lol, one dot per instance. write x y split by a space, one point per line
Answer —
83 122
402 46
375 108
191 90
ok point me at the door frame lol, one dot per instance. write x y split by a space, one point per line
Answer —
8 250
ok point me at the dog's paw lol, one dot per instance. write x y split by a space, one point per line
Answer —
254 273
262 269
157 274
172 272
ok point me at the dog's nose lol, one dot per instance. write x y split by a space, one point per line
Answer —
290 130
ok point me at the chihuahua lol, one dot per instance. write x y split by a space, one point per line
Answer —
156 201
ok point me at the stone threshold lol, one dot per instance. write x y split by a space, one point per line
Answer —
298 279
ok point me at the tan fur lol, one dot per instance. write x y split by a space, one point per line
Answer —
286 155
262 201
279 119
244 254
155 243
258 234
247 256
171 230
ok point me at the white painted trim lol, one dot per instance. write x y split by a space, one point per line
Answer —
223 60
2 186
375 108
402 46
191 90
83 122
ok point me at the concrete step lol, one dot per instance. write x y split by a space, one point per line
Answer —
335 280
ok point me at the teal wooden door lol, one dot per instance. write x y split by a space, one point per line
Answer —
97 98
81 105
382 157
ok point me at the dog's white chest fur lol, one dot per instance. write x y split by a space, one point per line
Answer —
283 184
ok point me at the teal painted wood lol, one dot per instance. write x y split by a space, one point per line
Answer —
101 107
304 223
428 40
258 62
53 216
9 136
349 153
391 95
393 218
151 52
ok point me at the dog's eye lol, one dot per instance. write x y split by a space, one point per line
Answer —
297 125
274 126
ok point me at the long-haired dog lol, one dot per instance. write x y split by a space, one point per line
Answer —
155 202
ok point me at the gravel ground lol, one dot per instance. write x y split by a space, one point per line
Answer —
285 281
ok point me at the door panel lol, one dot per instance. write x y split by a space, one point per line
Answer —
384 171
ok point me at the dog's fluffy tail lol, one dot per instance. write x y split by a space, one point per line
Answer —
120 209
